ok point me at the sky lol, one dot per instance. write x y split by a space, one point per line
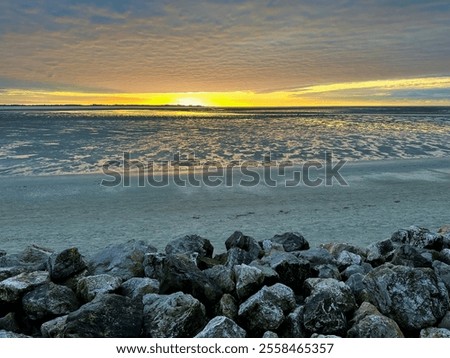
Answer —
225 53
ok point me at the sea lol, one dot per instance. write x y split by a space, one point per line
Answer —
61 140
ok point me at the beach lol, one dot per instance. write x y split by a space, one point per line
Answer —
75 210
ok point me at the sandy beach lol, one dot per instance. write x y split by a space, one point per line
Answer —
382 196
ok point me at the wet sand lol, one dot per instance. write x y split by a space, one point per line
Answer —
382 196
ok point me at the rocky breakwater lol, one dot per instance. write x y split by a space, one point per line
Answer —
280 287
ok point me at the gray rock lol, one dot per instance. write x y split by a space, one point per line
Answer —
7 272
65 264
123 260
413 297
173 316
407 255
138 287
9 323
443 271
269 246
270 334
222 276
108 315
363 269
271 277
266 309
446 254
327 271
8 334
316 256
321 336
291 270
248 280
227 307
153 265
54 328
292 326
35 256
378 253
291 241
335 249
90 286
433 332
182 274
418 237
356 284
445 322
49 300
347 258
222 327
249 246
189 244
12 289
370 323
328 306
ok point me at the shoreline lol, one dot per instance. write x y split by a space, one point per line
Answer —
74 210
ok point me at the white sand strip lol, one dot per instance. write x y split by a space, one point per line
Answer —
383 196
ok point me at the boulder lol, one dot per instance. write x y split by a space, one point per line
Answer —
177 315
356 284
445 322
222 327
249 279
335 249
269 246
222 276
328 306
12 289
7 272
9 323
270 275
292 326
242 249
65 264
291 270
433 332
363 269
138 287
407 255
269 334
153 265
49 300
316 256
418 237
227 307
109 315
346 258
54 328
266 309
368 322
291 241
443 271
378 253
35 257
415 298
8 334
123 260
190 244
326 271
90 286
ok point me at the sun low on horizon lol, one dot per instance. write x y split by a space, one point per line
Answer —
225 53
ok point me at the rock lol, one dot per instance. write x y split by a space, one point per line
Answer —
8 334
90 286
407 255
445 322
49 300
356 284
123 260
291 270
181 274
9 323
445 229
35 256
446 254
265 310
291 241
227 307
316 256
270 275
347 258
270 334
249 248
190 244
363 269
443 271
321 336
378 253
433 332
327 271
413 297
108 315
248 280
368 322
222 327
2 253
65 264
222 277
269 246
12 289
173 316
292 326
153 265
54 328
7 272
335 249
418 237
138 287
328 306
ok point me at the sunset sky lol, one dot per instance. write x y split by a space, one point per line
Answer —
225 53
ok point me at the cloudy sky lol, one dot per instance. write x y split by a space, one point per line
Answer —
218 52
